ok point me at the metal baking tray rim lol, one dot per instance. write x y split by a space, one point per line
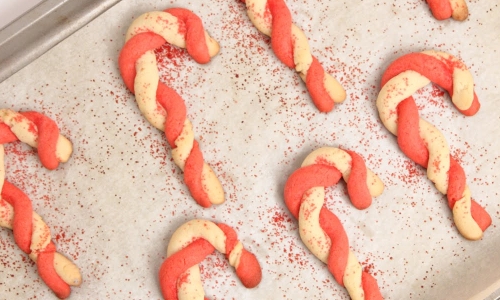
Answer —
43 27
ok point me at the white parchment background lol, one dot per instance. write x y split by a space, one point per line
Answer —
113 207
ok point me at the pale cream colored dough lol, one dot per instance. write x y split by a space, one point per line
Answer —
146 84
190 231
311 233
466 225
302 55
459 10
406 84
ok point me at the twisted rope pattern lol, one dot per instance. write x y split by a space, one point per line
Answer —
31 234
320 230
161 105
273 18
190 244
444 9
421 141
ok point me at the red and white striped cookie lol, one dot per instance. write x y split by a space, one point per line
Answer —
320 230
445 9
31 233
273 18
424 143
160 104
190 244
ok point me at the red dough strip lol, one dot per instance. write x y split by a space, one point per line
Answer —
281 40
356 184
321 175
45 264
169 102
314 83
441 9
409 139
176 112
192 176
22 226
48 133
372 292
6 135
179 262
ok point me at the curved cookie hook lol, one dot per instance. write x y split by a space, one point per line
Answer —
190 244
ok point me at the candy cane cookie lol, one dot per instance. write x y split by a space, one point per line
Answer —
421 141
160 104
190 244
289 43
320 230
31 233
444 9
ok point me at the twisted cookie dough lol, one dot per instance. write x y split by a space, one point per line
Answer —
190 244
421 141
161 105
444 9
31 234
320 230
273 18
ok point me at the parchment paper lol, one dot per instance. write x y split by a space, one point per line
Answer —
113 207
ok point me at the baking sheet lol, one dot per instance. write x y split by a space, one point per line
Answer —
41 28
12 9
113 207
